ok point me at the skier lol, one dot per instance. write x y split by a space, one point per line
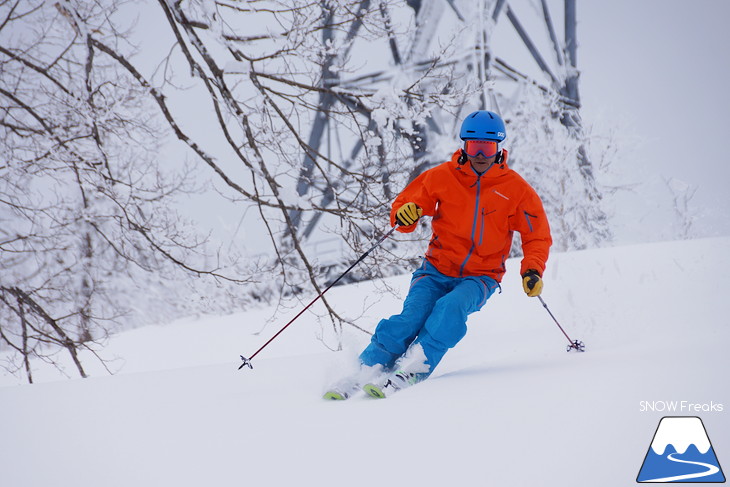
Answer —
477 203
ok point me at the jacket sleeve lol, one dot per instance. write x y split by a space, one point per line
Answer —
417 192
532 223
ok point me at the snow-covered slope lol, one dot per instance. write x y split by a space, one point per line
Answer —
507 407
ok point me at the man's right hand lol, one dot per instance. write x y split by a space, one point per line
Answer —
408 214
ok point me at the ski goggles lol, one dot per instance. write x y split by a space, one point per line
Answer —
487 148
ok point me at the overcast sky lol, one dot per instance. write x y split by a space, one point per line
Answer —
658 71
662 67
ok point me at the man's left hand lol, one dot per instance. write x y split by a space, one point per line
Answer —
532 283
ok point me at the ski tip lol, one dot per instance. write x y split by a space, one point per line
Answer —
374 391
335 396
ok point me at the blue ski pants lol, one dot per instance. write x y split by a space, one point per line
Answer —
434 316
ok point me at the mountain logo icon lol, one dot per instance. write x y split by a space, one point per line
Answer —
681 452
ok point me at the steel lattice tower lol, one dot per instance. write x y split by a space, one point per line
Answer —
563 85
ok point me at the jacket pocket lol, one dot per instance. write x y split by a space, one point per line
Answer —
482 223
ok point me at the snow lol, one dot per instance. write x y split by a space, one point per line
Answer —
689 430
507 406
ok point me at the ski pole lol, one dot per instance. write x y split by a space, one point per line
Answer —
247 361
574 344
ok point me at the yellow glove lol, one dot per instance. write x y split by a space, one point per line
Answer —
532 283
408 214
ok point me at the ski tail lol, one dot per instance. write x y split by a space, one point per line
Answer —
374 390
392 384
351 386
335 395
343 391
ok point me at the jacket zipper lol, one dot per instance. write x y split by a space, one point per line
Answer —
473 227
481 225
481 229
529 222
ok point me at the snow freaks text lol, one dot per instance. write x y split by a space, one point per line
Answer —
681 407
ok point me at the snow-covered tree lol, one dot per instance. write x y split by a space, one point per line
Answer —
275 73
87 233
313 115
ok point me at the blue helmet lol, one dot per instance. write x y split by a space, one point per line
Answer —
483 124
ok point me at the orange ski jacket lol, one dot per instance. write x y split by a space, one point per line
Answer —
475 216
